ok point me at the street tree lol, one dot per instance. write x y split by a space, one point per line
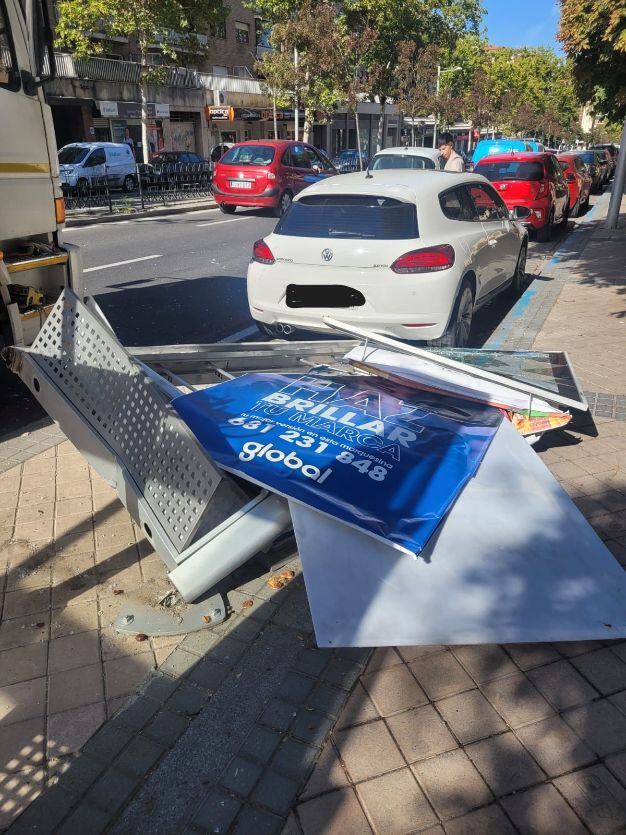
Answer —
276 74
415 92
175 25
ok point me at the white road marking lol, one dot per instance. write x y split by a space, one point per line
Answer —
237 337
149 219
232 220
121 263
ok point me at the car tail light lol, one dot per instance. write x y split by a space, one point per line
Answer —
271 175
428 260
262 253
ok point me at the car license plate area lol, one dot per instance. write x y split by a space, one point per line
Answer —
323 295
243 184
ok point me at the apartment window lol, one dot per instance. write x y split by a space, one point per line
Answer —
218 30
242 32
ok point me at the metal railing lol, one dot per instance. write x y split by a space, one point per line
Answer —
166 184
107 69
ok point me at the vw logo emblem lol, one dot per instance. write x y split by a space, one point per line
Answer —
327 254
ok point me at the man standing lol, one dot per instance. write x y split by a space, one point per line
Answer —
128 140
454 162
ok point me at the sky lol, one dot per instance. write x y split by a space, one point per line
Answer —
522 22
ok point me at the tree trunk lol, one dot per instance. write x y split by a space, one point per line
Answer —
413 130
358 136
309 117
381 124
275 117
145 146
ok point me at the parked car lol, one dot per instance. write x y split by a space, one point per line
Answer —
606 154
82 165
347 161
578 181
611 148
595 167
487 147
402 157
533 182
267 173
176 169
408 254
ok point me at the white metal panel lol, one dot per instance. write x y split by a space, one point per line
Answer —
514 560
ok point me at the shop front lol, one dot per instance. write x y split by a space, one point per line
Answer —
120 121
238 124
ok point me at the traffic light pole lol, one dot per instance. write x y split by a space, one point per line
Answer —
619 181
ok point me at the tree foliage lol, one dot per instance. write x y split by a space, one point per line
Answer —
593 33
172 24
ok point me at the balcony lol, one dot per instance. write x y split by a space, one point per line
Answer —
106 69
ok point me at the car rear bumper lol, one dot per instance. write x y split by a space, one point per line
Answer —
539 212
267 199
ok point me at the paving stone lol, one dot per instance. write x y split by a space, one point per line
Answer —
555 746
18 632
596 797
562 685
294 759
217 812
21 744
452 784
570 649
312 661
527 656
276 792
179 663
166 728
311 727
368 750
440 674
108 742
209 674
228 651
420 733
617 765
261 743
139 756
80 617
123 675
328 699
25 602
23 663
516 700
395 803
241 776
81 773
278 715
600 725
70 730
292 827
335 813
542 809
253 821
159 687
410 653
470 716
393 689
328 774
86 818
111 790
485 662
46 813
505 765
489 820
295 688
68 689
22 701
137 713
383 657
188 699
74 651
358 709
603 669
342 673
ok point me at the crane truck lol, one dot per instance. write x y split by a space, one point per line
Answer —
36 265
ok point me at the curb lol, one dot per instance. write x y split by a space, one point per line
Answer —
116 217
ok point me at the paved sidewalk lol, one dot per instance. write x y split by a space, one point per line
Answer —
249 728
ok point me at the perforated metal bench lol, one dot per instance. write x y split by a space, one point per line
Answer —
118 414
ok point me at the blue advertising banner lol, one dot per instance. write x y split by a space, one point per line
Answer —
382 457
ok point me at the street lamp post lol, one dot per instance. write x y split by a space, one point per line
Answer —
440 72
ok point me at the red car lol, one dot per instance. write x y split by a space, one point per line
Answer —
533 186
578 181
267 173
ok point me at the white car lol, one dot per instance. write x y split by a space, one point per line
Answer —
408 254
401 157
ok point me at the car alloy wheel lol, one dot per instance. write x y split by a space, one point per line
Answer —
519 277
465 313
285 203
129 183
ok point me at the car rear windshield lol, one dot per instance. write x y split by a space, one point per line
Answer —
401 161
72 155
350 216
589 158
249 155
496 171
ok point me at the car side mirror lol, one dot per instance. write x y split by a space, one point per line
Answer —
519 213
570 178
